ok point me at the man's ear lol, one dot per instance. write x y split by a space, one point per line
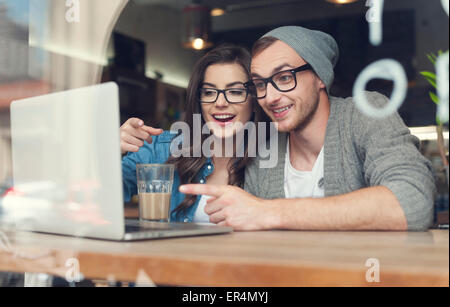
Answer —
321 84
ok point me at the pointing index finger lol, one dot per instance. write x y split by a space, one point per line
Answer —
203 189
151 130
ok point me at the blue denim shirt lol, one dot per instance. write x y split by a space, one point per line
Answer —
158 152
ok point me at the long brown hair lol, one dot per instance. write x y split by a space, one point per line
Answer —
188 167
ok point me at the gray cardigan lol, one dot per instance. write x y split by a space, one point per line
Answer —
361 152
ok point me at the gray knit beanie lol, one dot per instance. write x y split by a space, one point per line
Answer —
318 49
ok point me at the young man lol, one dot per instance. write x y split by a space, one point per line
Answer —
337 169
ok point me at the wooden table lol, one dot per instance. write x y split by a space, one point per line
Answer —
268 258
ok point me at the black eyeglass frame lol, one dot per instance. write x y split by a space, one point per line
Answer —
246 88
270 79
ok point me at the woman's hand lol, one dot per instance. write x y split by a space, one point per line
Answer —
133 133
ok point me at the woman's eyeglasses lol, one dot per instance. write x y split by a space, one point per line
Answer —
232 95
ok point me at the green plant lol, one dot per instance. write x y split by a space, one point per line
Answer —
431 78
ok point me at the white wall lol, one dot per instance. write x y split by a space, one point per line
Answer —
73 52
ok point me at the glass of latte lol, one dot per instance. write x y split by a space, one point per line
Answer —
154 183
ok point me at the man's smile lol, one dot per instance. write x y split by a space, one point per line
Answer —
280 112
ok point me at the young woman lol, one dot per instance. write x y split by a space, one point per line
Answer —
218 91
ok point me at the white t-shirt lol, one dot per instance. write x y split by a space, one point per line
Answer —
298 184
200 216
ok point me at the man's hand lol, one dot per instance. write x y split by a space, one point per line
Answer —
133 133
232 206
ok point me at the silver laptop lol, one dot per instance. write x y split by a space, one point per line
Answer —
67 169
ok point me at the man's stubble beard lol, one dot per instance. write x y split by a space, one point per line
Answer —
308 110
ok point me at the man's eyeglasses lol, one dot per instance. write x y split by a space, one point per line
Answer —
283 81
232 95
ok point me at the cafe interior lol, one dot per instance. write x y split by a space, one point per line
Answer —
149 48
